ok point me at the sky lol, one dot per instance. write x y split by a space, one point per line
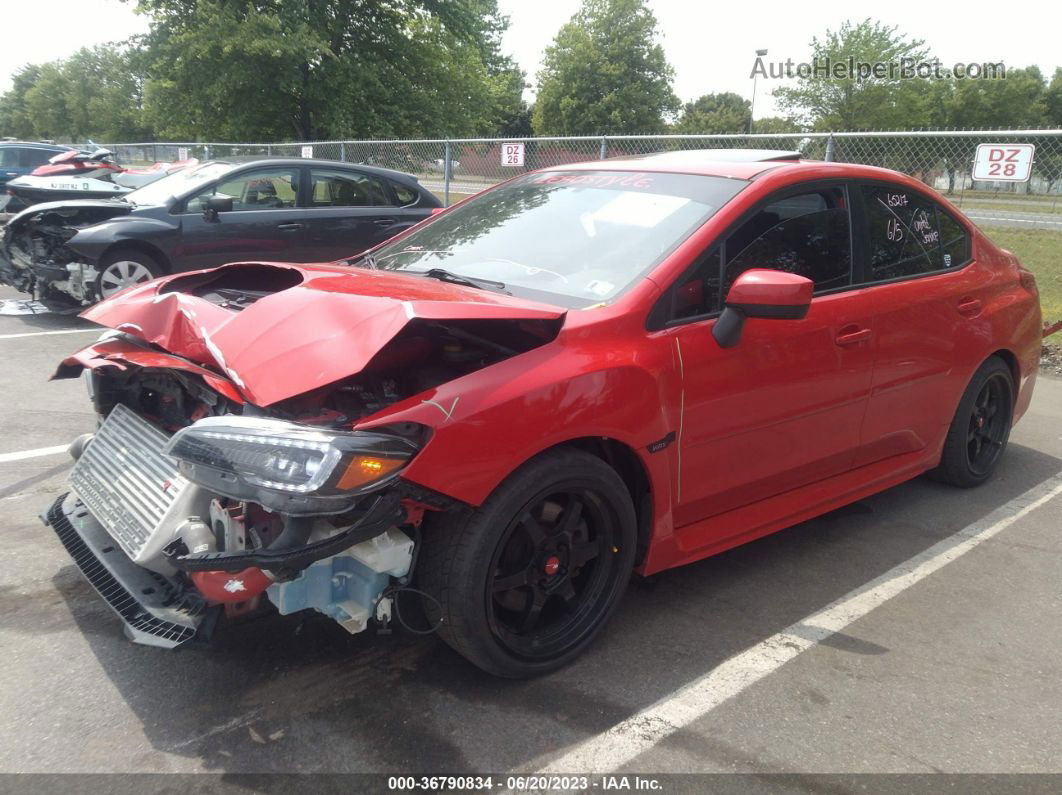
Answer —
710 45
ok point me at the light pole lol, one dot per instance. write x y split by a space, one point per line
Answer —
755 77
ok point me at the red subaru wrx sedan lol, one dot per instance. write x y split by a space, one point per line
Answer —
486 424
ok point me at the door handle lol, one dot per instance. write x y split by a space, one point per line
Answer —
969 307
289 227
384 221
852 336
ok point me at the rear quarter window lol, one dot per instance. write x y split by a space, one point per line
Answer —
404 194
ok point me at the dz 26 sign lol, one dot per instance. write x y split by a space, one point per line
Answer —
512 155
1003 162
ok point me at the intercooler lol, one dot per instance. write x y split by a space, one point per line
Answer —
133 490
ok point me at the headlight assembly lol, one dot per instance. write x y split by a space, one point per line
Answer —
287 467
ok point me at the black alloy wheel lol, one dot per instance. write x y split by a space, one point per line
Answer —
522 584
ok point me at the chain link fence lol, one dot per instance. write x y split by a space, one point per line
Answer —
1024 217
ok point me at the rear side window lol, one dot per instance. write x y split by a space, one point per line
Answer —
807 234
8 157
903 233
347 189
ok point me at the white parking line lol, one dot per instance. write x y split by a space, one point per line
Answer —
40 451
622 743
46 333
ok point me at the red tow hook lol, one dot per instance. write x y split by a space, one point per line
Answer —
229 587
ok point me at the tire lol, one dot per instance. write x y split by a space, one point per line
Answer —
979 432
523 584
124 268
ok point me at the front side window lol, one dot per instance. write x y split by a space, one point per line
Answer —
903 233
807 234
347 189
575 238
257 190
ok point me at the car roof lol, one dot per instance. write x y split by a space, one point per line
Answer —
248 160
38 145
730 163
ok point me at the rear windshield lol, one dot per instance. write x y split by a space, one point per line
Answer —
573 238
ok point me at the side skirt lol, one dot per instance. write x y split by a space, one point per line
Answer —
717 534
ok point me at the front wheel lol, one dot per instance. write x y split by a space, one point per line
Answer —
981 427
523 584
124 269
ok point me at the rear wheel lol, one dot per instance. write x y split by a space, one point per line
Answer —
979 432
123 269
525 582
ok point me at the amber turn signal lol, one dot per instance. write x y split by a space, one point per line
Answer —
365 469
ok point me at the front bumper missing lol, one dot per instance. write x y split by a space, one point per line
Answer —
156 610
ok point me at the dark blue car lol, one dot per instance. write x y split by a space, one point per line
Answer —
18 158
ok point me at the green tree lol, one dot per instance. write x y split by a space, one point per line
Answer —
825 102
15 120
1053 100
95 93
605 73
714 113
277 69
1020 100
775 125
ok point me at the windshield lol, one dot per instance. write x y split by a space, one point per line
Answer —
160 191
575 238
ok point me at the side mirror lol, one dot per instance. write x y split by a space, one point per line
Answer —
215 205
762 293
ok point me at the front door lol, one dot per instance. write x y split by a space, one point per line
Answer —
784 407
265 223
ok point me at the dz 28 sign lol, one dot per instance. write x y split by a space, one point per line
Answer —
1003 162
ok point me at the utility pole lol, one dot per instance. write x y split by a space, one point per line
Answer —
755 77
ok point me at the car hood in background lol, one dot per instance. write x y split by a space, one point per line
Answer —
313 325
75 212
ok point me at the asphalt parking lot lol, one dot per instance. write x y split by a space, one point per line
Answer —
915 631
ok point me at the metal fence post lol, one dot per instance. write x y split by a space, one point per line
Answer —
603 154
269 150
343 151
829 149
446 174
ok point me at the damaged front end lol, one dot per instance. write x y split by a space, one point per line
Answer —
35 255
235 467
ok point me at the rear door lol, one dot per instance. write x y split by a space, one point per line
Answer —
265 223
784 407
350 211
928 297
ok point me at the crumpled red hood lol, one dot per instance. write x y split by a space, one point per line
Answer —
324 329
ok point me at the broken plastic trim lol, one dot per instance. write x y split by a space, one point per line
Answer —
384 512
